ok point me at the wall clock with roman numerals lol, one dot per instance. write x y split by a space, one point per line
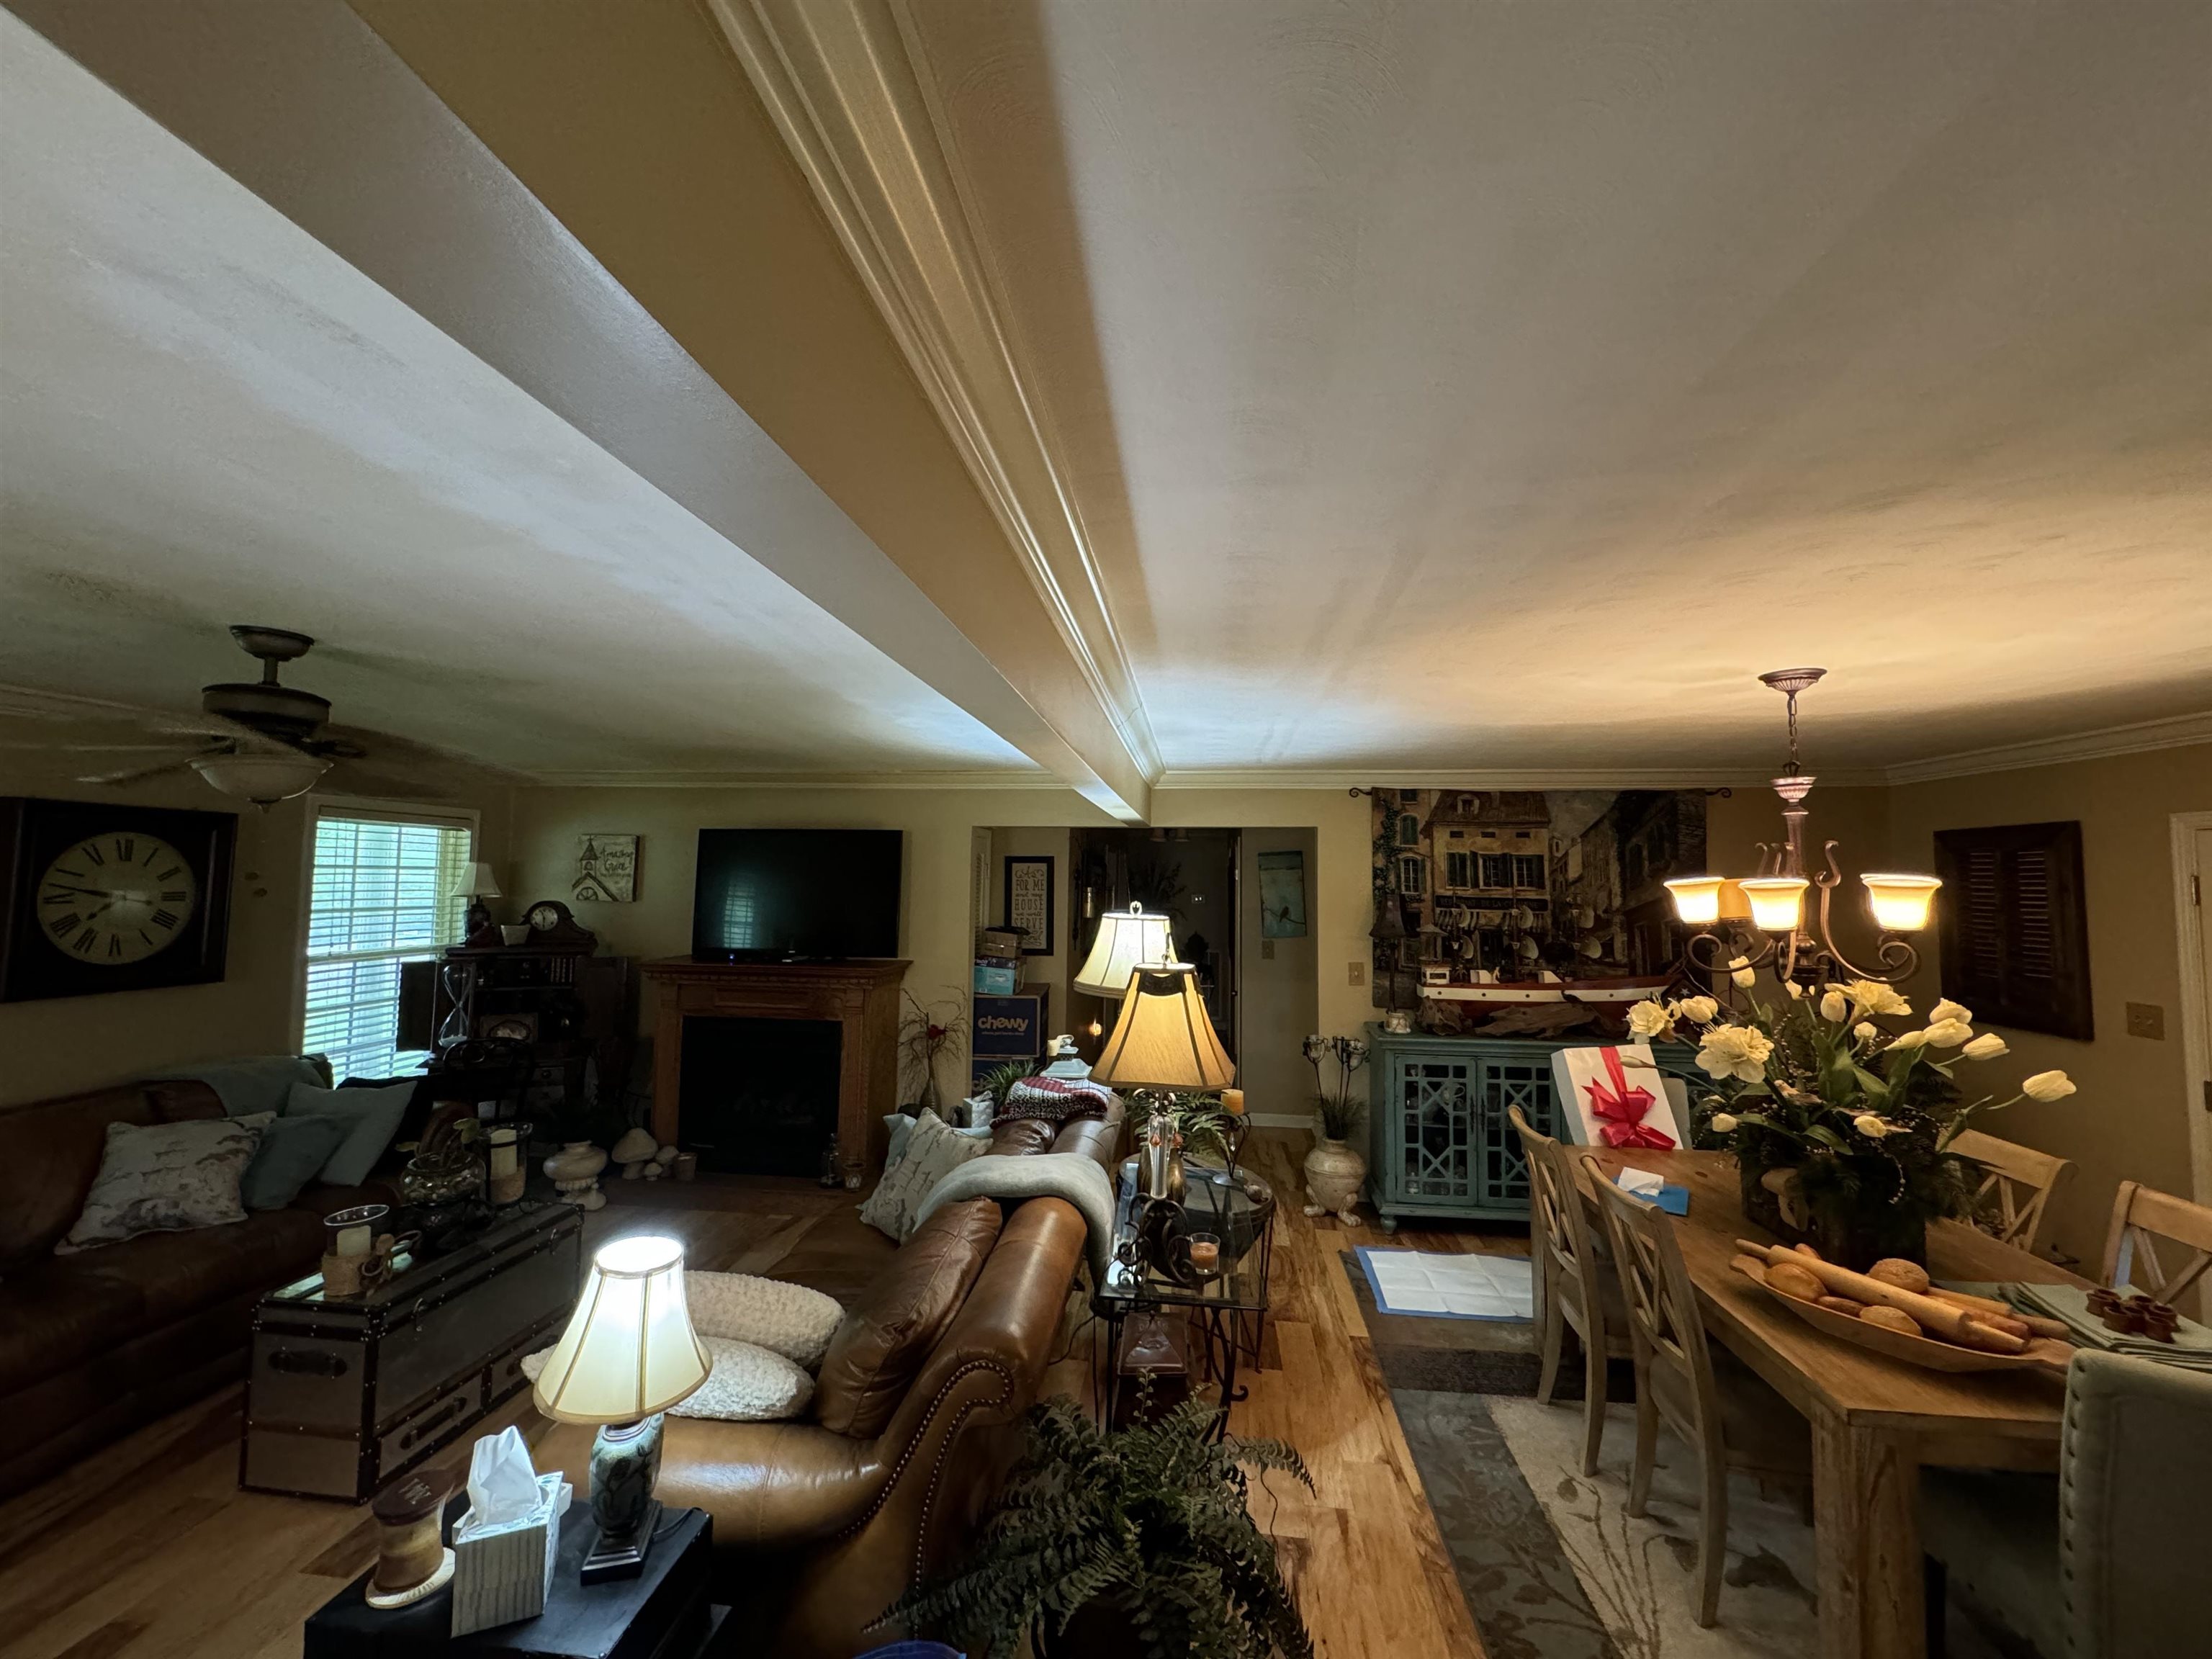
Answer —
106 897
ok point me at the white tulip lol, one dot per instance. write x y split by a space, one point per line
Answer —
1870 1126
1744 979
1873 997
1988 1046
1739 962
2048 1085
1647 1019
1737 1051
1909 1040
1948 1033
1866 1031
1702 1010
1794 989
1948 1009
1723 1123
1833 1007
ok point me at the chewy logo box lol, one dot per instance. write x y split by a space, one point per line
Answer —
1008 1026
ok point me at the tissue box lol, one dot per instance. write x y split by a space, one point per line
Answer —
505 1574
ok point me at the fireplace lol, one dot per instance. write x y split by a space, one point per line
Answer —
759 1096
754 1061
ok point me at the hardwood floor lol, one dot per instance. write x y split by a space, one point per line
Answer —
150 1551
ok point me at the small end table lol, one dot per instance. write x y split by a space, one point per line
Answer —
663 1614
1227 1314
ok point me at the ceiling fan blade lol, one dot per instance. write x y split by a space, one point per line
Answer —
140 774
92 748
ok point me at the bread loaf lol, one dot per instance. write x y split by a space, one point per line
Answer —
1938 1318
1792 1281
1892 1319
1906 1275
1841 1304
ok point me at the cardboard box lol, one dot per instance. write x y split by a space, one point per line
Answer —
997 942
1005 1028
993 981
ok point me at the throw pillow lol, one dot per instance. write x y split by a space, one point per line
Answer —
292 1150
882 1342
933 1149
745 1383
372 1117
787 1319
164 1178
901 1128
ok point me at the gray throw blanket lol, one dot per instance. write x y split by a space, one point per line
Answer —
1074 1176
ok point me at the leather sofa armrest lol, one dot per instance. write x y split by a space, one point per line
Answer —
1097 1138
768 1485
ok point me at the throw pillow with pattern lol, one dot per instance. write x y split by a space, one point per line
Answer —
932 1150
164 1178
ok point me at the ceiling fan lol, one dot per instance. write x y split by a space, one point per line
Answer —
263 741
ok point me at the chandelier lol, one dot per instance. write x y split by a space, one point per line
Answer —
1775 934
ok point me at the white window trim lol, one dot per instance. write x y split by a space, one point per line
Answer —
355 807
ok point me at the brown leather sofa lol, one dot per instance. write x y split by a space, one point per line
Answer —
94 1344
816 1532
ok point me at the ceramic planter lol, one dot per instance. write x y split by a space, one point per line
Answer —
1334 1178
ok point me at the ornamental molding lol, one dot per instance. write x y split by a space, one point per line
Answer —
848 85
2177 733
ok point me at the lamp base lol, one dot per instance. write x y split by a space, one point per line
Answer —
625 1464
621 1557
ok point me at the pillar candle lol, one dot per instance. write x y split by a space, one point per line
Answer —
354 1241
1232 1102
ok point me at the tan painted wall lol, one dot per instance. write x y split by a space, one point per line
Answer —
70 1043
1052 971
2131 1120
1280 999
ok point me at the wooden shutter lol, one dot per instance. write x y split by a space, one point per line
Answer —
2014 926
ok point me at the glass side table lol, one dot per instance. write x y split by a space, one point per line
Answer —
1226 1310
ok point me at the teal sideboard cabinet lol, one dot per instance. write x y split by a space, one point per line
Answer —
1439 1145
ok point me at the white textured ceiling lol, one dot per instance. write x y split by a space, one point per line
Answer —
207 418
1503 384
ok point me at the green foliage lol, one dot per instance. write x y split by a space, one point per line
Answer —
1151 1519
999 1081
1196 1114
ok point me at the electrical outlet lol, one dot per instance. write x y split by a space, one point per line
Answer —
1267 950
2146 1019
1355 973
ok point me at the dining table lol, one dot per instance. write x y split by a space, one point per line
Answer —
1875 1421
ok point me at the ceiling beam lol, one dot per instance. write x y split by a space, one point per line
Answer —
307 106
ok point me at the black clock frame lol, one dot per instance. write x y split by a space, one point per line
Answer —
34 830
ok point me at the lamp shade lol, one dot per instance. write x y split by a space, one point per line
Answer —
1777 902
1901 903
629 1349
1697 899
476 880
262 779
1164 1039
1127 939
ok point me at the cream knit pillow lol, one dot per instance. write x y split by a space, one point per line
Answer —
787 1319
932 1152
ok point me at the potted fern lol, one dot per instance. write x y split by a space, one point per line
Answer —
1121 1541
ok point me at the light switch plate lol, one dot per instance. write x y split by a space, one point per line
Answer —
1267 950
1355 973
2146 1019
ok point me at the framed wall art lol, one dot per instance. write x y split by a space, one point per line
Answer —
1029 902
606 869
1283 895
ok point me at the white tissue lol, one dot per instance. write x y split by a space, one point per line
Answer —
1641 1182
503 1486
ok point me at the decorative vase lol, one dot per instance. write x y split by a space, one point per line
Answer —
1334 1176
1854 1236
576 1173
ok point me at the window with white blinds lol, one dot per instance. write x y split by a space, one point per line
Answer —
380 897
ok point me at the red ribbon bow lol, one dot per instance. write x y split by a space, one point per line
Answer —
1622 1109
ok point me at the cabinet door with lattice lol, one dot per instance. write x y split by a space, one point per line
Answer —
1432 1104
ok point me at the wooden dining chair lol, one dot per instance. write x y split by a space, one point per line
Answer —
1573 1286
2143 1219
1676 1380
2017 1186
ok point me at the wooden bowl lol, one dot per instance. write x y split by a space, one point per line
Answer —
1922 1350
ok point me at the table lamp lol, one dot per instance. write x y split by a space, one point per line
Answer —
476 883
1127 939
1164 1037
628 1354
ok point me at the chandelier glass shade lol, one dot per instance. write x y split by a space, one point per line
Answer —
1760 921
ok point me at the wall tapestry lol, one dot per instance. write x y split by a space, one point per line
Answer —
1283 895
606 869
1535 910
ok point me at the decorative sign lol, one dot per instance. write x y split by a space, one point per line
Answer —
606 869
1028 904
1283 895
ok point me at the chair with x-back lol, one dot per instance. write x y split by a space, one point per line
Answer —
2012 1199
2144 1220
1574 1283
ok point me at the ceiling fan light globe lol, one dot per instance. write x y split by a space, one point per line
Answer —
263 780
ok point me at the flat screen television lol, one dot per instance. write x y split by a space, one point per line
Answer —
772 894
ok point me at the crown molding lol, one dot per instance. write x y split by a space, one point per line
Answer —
684 780
2179 731
1548 777
847 87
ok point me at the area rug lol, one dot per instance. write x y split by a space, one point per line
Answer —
1550 1562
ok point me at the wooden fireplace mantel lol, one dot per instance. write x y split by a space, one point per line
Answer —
862 995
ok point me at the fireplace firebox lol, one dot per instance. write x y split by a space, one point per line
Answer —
759 1096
